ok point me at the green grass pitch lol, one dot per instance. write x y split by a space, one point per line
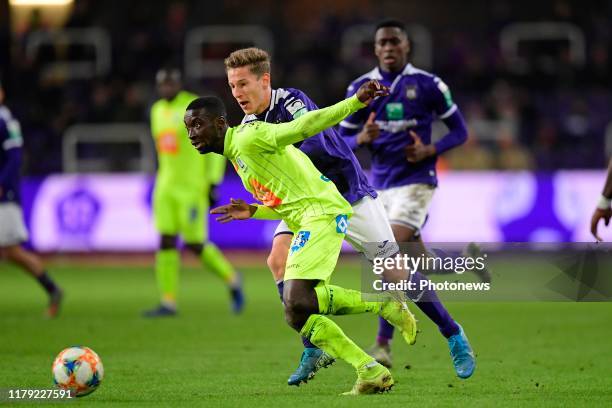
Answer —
543 354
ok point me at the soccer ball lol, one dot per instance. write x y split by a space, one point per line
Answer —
78 369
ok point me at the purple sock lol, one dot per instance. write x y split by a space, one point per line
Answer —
46 282
427 300
385 332
280 286
307 343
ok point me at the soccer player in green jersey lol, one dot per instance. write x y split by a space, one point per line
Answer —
180 204
291 188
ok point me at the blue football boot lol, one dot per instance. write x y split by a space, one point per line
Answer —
462 354
312 360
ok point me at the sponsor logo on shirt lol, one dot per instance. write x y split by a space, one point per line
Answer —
264 194
299 241
241 164
167 142
341 224
395 111
396 126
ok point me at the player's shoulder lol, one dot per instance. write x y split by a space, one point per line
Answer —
357 82
292 100
247 135
285 96
245 131
187 96
421 75
158 104
5 114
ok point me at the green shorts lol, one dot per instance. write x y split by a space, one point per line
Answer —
181 213
315 248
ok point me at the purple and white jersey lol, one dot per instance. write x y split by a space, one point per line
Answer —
417 98
329 152
10 156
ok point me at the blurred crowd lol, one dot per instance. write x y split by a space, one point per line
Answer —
550 114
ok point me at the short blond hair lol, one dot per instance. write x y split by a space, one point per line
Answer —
256 59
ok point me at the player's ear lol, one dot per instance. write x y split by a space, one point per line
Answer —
265 79
220 122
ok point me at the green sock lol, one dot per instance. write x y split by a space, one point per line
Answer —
335 300
214 259
329 337
167 264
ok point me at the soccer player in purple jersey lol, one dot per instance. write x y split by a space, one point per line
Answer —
397 131
13 231
249 77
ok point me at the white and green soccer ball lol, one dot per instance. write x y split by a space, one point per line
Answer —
78 369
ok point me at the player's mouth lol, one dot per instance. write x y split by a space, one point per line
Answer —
195 143
243 104
389 59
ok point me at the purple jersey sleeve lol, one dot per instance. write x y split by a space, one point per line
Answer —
443 105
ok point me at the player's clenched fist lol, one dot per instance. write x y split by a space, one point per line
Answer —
370 131
370 90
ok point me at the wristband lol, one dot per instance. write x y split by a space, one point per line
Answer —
604 203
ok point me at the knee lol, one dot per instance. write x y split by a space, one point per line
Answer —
276 263
167 242
196 249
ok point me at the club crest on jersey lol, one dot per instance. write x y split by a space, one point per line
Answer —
241 164
411 92
341 224
299 241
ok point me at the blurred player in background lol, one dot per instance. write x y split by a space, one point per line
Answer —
292 189
183 187
397 131
13 231
249 77
603 210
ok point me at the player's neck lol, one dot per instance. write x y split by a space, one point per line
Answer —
389 73
267 101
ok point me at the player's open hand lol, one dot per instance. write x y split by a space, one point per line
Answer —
370 131
370 90
236 210
418 151
598 215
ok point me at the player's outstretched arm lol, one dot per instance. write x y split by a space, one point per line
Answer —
604 209
314 122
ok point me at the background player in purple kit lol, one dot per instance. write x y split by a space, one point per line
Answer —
397 131
12 227
249 77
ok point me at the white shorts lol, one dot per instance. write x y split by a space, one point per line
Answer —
12 228
369 231
407 205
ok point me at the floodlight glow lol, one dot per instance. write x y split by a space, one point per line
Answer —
40 2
